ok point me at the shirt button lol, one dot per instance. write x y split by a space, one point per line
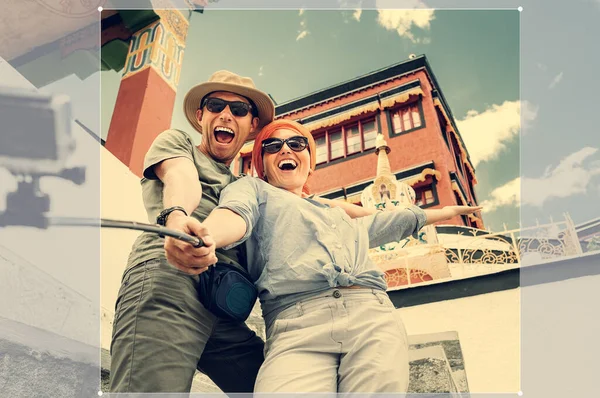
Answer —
337 294
339 246
333 226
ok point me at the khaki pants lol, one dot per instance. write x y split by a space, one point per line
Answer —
346 340
162 334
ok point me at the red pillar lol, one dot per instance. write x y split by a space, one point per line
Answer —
146 96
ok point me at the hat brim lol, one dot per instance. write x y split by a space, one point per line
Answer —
264 105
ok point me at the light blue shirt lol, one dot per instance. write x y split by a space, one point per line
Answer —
298 247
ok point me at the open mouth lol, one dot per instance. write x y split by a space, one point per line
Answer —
287 165
224 135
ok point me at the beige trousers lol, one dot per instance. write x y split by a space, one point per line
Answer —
345 340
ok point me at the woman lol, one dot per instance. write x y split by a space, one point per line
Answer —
331 326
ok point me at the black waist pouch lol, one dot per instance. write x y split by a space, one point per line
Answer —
227 292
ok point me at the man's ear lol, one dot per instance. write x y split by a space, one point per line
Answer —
199 114
254 125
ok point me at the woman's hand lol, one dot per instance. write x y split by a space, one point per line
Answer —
463 210
448 212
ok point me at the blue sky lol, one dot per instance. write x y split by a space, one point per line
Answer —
290 53
549 169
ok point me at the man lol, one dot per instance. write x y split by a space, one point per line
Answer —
162 332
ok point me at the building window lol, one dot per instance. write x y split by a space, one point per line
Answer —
428 196
459 202
336 145
459 162
321 144
406 118
345 141
470 183
369 129
457 155
247 166
244 164
353 144
424 196
443 125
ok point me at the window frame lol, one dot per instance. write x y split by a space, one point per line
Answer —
342 128
397 109
342 139
420 190
247 159
361 140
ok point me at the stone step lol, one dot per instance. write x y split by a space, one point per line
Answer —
430 372
447 343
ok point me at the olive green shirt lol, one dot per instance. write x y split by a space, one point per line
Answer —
214 177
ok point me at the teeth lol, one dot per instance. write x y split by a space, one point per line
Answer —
225 129
288 161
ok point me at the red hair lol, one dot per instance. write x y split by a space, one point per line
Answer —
267 132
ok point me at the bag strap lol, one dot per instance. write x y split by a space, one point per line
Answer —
211 282
235 268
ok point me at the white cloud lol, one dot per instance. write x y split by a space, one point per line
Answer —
556 79
572 176
260 71
357 13
302 35
402 21
486 134
506 195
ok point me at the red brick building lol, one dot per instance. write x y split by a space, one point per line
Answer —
405 104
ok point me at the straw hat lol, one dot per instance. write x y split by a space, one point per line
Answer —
224 80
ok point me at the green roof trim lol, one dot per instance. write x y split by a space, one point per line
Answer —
135 20
114 55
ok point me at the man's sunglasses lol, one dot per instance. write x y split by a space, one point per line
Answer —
216 105
296 143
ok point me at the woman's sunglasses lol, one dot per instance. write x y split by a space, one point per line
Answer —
296 143
216 105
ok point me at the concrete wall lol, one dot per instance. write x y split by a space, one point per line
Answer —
488 327
38 363
122 200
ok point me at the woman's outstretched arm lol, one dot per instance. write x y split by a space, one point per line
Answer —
225 227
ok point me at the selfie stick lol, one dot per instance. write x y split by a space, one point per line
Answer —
106 223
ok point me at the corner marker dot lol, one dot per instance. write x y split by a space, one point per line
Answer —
100 9
99 393
520 9
520 393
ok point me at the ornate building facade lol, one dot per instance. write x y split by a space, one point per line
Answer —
405 105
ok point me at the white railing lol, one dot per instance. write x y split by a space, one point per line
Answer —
475 252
